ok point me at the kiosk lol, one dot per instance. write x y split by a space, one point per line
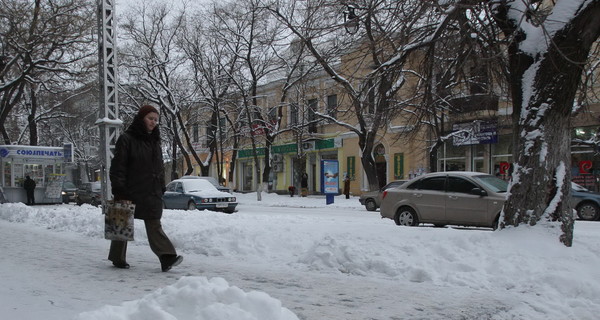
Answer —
45 165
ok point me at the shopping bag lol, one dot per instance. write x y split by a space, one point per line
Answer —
118 221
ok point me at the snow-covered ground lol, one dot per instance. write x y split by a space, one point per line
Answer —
293 258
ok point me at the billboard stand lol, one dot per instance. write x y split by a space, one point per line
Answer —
330 171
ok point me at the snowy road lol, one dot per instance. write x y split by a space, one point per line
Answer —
50 273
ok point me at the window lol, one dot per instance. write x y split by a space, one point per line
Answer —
371 97
293 114
179 187
456 184
434 183
332 105
8 174
222 127
195 132
351 167
312 116
273 115
398 165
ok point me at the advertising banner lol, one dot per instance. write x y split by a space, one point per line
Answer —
330 171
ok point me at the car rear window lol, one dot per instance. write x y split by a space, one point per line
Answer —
433 183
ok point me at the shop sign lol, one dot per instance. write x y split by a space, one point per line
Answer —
32 152
248 153
504 168
286 148
585 166
324 144
476 132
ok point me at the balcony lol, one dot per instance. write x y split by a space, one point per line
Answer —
474 103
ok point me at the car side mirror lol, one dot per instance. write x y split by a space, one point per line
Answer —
479 192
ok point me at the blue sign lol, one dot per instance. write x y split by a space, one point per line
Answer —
68 152
476 132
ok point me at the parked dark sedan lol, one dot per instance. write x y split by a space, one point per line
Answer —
586 202
372 199
90 193
69 192
192 194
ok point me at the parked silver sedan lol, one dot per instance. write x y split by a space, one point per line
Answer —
442 198
372 199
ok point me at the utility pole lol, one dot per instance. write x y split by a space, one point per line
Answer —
108 116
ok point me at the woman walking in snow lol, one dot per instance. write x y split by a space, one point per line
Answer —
137 174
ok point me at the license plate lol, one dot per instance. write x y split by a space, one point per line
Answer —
222 205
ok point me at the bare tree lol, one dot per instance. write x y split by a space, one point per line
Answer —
463 71
212 64
550 44
159 70
43 46
248 26
376 58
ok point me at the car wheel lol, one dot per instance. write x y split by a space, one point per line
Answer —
191 205
588 211
406 216
94 202
370 205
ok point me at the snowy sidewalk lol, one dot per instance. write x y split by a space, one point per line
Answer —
55 276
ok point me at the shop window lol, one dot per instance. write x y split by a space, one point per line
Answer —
36 173
48 171
8 174
18 174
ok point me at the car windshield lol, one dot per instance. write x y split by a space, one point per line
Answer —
577 187
96 186
496 184
69 185
195 185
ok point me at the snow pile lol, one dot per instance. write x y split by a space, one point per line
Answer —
321 261
196 298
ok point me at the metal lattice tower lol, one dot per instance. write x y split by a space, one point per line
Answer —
108 116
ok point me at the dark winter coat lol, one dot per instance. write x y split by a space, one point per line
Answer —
137 172
29 184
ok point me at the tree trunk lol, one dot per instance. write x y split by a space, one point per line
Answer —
366 145
33 132
543 91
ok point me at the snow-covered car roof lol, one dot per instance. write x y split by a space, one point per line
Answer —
201 188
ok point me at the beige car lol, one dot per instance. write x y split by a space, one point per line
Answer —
442 198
